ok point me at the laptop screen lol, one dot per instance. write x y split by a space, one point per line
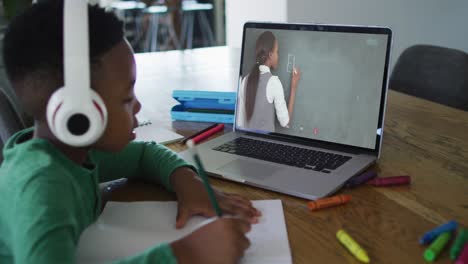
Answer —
316 82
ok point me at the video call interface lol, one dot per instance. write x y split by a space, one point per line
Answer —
339 91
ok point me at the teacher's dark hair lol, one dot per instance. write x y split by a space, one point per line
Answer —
264 46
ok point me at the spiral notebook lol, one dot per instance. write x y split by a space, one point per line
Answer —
147 131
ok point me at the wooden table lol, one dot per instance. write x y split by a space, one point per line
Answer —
422 139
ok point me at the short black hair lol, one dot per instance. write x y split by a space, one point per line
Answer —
34 39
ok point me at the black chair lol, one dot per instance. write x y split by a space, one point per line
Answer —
10 121
434 73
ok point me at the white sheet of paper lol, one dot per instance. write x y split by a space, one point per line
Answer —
126 229
154 133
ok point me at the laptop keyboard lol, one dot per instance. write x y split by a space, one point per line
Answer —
284 154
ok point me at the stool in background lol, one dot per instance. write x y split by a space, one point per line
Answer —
131 13
189 10
158 13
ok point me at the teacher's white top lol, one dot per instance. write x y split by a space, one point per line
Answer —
274 93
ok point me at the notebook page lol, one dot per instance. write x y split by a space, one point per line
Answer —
152 132
126 229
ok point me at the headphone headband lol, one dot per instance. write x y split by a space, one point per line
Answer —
76 48
76 114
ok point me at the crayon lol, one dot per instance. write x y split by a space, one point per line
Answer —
431 253
198 133
352 246
328 202
360 179
431 235
457 246
390 181
208 133
463 258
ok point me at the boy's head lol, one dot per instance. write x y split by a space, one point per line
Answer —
33 55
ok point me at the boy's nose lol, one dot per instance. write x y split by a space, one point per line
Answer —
137 107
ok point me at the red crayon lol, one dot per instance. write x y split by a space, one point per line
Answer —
198 133
208 133
390 181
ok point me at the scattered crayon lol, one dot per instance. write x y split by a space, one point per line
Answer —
198 133
431 253
457 246
328 202
352 246
390 181
207 133
463 258
360 179
431 235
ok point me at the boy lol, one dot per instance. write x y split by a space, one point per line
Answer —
49 191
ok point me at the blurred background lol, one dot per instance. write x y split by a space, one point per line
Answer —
158 25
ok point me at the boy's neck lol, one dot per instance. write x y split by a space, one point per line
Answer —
77 155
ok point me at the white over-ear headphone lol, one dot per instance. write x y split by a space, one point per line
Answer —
76 114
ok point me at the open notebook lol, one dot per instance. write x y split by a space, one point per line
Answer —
126 229
147 131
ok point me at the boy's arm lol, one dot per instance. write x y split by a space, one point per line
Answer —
145 160
45 228
49 217
160 254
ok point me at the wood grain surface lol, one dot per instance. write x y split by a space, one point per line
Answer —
422 139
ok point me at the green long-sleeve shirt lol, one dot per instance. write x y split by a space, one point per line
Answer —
46 200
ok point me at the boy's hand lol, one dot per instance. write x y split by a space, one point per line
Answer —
193 199
196 202
221 241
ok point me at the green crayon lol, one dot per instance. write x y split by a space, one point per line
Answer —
436 247
457 246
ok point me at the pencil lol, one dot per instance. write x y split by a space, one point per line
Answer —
198 133
201 172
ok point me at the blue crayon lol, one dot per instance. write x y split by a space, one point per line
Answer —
431 235
360 179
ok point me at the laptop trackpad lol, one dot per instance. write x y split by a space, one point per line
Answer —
250 169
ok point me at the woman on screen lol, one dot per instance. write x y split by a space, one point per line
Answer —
261 94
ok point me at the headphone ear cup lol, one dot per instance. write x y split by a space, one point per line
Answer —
101 110
75 121
53 106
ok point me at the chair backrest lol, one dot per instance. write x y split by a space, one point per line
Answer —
10 121
433 73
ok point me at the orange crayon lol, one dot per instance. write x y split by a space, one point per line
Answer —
328 202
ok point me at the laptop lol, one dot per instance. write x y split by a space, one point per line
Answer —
332 129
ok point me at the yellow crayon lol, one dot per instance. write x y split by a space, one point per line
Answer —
352 246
